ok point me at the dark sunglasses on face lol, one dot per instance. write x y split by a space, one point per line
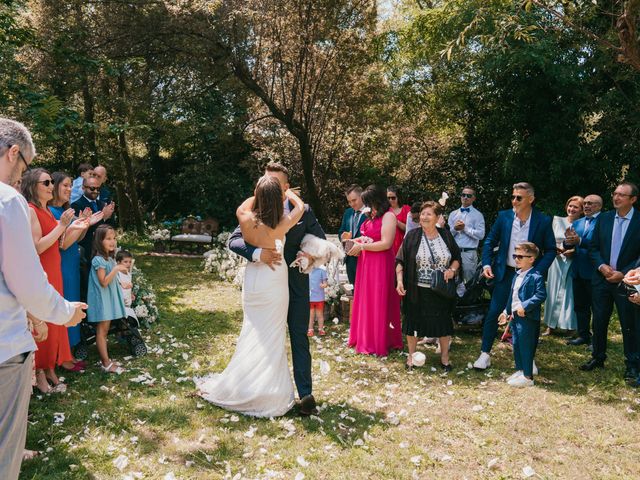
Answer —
92 189
466 195
391 198
517 198
47 182
520 257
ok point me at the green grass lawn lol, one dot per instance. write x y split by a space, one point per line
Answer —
376 420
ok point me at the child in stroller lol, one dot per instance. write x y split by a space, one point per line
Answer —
126 330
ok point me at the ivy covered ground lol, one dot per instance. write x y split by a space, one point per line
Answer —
376 420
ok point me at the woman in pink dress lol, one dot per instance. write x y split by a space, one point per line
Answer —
401 212
375 319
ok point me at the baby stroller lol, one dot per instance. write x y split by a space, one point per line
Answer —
472 306
126 330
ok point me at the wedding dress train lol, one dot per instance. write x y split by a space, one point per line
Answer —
257 380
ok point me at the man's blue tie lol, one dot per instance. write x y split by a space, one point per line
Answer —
616 241
94 206
465 210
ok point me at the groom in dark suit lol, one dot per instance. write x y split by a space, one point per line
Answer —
522 223
614 250
298 314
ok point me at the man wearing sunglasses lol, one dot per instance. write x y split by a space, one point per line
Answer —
614 251
522 223
23 287
467 226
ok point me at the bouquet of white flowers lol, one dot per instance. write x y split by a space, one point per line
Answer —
158 234
144 303
223 263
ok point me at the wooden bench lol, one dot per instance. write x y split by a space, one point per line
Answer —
197 236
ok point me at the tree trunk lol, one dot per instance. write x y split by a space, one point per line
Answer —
130 179
89 120
306 158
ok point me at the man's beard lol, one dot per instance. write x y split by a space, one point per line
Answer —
15 174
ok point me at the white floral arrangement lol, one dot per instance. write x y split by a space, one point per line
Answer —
333 291
223 263
158 234
144 302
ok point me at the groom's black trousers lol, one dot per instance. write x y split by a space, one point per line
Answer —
298 320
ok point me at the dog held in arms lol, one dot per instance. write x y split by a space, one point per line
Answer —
321 251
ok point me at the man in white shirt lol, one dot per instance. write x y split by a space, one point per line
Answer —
467 226
23 286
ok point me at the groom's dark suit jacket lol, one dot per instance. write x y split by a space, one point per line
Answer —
298 282
298 315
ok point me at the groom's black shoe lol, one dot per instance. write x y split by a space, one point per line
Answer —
308 406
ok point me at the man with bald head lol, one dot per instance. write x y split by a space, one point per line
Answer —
100 173
582 270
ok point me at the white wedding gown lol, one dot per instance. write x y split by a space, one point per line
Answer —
257 381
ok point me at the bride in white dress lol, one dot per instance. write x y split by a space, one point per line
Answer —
257 380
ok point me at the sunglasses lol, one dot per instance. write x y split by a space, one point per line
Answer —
466 195
517 198
92 189
520 257
47 182
391 198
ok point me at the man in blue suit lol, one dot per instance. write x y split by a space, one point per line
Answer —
614 250
523 223
298 314
582 270
352 220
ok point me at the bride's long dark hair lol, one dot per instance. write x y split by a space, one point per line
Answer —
268 204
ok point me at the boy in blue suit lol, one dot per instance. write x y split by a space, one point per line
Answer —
527 295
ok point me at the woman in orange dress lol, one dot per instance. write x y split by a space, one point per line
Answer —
37 188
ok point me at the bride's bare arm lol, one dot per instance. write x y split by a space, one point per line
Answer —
290 219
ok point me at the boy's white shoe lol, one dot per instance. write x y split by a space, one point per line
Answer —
535 369
521 381
514 375
483 362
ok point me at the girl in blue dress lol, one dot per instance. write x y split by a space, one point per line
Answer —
104 294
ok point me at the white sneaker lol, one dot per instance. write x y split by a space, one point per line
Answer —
483 362
514 375
535 369
520 381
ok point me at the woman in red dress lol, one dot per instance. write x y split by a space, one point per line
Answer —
401 212
37 188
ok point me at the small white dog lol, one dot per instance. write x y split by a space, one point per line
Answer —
322 251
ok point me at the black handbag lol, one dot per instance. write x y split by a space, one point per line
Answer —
438 284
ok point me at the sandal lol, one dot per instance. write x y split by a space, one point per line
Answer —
112 368
310 332
321 332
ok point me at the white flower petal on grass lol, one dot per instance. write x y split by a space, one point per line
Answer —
185 356
416 459
404 445
58 418
528 472
445 458
493 463
170 476
301 461
235 418
121 462
251 432
336 321
299 476
477 408
66 439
